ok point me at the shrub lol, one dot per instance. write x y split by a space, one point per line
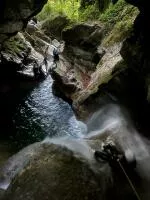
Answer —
63 7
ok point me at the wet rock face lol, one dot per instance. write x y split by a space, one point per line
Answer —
55 173
135 49
64 169
81 55
18 59
15 15
140 40
135 52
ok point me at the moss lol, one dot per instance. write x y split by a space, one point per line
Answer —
14 45
120 31
57 7
117 19
118 22
112 14
54 26
90 13
55 173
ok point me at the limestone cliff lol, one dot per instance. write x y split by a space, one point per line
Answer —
121 68
91 57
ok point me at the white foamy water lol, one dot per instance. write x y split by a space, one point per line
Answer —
109 123
112 123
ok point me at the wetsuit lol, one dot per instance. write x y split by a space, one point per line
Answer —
55 55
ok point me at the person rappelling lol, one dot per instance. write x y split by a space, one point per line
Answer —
55 57
112 155
36 69
119 160
45 61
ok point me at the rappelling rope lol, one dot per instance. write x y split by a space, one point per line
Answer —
29 35
130 182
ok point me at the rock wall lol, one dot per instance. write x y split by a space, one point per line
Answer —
65 168
79 59
122 71
15 15
135 50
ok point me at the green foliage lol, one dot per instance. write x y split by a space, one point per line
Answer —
91 12
63 7
117 12
102 4
53 26
118 20
113 12
14 45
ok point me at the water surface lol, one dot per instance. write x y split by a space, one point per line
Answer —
38 114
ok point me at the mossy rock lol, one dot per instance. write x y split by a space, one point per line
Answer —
15 45
53 26
55 173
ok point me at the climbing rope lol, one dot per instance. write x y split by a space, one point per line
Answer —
110 151
130 182
29 36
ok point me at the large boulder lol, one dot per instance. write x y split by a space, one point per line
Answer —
55 172
108 67
53 27
80 57
85 36
62 169
14 16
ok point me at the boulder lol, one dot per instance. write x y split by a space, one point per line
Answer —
62 168
31 27
53 27
81 46
55 172
85 36
18 58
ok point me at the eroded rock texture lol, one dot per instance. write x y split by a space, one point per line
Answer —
15 15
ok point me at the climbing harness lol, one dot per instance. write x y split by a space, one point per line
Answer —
112 155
